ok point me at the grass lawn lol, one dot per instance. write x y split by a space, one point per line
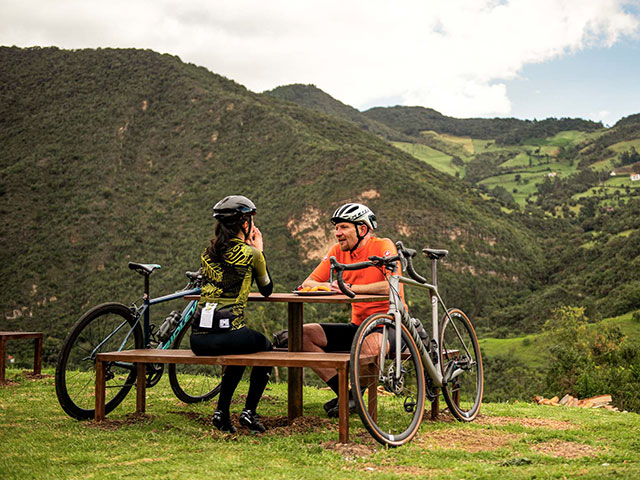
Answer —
174 440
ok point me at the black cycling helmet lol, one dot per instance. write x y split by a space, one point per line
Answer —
233 208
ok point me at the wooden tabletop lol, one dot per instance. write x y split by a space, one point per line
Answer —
297 298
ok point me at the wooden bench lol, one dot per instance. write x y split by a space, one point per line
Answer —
37 355
141 357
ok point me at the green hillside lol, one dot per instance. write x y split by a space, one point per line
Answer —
309 96
414 120
112 156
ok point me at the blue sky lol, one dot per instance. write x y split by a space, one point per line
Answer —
464 58
600 83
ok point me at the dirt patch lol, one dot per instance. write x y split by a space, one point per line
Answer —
276 425
8 383
351 451
468 440
559 448
35 376
396 471
525 422
110 425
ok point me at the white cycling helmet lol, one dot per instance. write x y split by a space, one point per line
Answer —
355 213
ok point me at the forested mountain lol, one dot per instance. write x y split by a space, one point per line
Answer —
310 96
401 123
414 120
110 156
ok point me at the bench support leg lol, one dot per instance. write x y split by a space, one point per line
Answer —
141 386
100 388
37 356
343 405
3 354
295 320
435 406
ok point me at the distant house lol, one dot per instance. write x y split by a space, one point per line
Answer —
613 173
552 174
635 178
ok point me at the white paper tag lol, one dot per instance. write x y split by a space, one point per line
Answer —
206 318
224 323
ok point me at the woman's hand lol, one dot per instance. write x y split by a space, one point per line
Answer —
255 238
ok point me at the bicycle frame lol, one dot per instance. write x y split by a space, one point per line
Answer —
401 316
398 310
144 313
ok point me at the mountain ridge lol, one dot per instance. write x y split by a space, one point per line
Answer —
118 155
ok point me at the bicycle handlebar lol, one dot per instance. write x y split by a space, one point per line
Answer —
404 256
408 254
374 261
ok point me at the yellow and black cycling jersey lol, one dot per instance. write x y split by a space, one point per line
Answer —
228 282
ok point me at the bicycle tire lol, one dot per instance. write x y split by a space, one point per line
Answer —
193 383
460 353
400 405
101 329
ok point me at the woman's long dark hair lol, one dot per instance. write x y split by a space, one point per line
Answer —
223 234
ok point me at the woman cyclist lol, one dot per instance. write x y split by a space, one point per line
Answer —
229 265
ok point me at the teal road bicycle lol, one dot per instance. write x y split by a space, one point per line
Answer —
113 327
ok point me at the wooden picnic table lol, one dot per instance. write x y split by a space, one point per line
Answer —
295 320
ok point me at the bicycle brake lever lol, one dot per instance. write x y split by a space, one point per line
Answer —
339 270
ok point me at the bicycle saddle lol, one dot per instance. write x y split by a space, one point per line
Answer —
435 254
143 268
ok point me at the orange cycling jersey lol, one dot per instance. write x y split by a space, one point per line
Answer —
381 247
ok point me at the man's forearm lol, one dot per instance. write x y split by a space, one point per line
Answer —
379 288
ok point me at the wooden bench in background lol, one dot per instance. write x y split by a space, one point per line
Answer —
37 356
141 357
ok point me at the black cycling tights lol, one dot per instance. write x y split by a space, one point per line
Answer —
239 341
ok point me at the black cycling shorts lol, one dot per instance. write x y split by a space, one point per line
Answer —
243 340
340 336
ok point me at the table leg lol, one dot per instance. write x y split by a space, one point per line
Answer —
141 386
37 356
295 321
3 355
343 405
100 388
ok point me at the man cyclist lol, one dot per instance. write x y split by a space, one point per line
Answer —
354 225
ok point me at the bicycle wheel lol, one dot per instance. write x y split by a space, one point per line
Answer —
400 401
193 383
102 329
461 365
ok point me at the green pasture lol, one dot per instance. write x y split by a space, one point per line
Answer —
173 440
624 146
524 188
483 145
529 348
526 348
437 159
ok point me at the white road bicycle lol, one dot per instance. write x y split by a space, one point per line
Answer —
390 368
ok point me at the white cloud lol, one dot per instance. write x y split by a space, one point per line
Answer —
451 55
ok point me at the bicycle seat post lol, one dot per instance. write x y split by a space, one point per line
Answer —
146 298
434 272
